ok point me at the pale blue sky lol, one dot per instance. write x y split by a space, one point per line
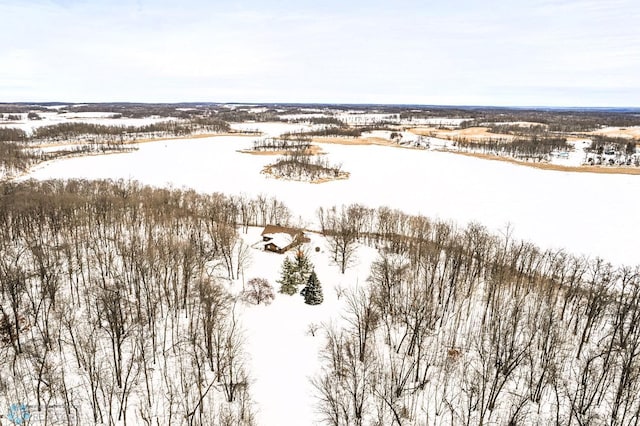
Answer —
459 52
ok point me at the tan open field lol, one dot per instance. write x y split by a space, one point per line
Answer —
619 132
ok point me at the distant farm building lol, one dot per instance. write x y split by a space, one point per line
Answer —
280 239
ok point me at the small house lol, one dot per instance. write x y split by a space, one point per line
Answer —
280 239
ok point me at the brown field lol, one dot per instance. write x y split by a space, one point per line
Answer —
619 132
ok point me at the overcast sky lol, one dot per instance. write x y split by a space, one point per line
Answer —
456 52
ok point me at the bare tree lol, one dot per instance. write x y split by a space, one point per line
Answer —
257 291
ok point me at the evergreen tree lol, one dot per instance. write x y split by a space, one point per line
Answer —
302 268
312 293
287 281
294 273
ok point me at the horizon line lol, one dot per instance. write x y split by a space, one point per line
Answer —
355 104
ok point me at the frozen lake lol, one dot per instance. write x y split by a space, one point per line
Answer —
591 214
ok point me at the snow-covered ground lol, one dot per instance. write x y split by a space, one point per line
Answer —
585 213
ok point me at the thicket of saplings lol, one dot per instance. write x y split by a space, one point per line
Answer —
112 308
240 115
461 326
303 167
129 110
134 110
569 121
526 149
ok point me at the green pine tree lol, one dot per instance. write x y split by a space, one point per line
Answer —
287 281
302 268
312 293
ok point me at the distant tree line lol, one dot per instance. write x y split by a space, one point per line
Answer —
339 131
329 121
536 130
527 149
352 132
282 144
243 115
565 121
73 131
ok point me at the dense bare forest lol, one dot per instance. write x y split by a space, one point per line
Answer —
113 306
459 326
524 149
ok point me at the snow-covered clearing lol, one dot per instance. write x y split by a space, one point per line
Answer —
284 355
